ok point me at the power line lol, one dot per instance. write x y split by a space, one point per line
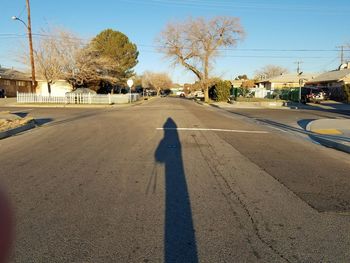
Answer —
261 49
11 35
252 6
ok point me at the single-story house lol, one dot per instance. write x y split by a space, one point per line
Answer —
285 81
333 81
58 88
265 87
13 81
237 83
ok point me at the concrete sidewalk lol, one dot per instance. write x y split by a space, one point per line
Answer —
250 105
6 102
277 104
334 133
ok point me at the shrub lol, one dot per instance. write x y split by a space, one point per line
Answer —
221 91
347 92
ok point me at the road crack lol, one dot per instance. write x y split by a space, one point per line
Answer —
228 192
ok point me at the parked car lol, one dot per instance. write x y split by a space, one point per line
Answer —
2 93
311 94
199 94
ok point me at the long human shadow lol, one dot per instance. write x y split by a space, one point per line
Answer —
6 227
179 235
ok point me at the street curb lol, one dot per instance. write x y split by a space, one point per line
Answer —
8 133
331 143
201 102
340 145
326 123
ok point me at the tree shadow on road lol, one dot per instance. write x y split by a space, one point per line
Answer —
179 237
21 114
42 121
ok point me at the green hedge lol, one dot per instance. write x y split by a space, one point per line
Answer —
221 90
347 92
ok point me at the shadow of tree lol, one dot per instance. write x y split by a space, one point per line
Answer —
179 235
42 121
21 114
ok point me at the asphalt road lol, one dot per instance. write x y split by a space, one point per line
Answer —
172 181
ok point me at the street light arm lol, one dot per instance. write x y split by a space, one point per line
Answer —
17 18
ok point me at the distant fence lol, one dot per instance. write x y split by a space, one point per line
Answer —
72 98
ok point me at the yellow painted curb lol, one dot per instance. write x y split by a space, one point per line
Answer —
327 131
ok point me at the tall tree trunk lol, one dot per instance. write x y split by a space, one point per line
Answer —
205 79
49 87
206 92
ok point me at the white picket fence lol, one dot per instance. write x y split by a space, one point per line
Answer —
72 98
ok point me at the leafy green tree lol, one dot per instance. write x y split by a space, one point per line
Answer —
221 90
115 54
244 77
347 92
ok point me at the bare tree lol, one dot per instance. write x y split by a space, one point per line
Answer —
57 54
47 63
60 54
195 43
270 71
157 81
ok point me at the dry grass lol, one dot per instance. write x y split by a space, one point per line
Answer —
8 124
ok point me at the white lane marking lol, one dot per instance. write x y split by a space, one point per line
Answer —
207 129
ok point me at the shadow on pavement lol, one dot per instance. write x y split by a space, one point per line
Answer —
20 114
6 228
304 123
324 107
42 121
179 238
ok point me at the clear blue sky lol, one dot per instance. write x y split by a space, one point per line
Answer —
270 25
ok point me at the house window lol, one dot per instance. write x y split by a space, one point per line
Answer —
7 82
21 83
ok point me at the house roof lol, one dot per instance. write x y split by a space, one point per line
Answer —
6 73
237 82
288 78
335 75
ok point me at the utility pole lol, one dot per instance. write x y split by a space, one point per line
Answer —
29 27
298 66
299 79
341 54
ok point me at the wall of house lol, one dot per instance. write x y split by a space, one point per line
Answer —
330 84
335 89
281 85
58 88
278 85
260 92
12 86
